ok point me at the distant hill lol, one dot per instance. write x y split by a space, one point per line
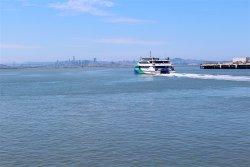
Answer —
3 66
180 61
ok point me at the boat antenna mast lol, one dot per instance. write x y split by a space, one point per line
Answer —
150 53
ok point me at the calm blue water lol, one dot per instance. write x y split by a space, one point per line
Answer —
111 117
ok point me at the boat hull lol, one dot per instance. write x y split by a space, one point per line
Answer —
153 71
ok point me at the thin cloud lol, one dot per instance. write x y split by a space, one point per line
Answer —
126 41
77 46
27 3
17 46
123 20
84 6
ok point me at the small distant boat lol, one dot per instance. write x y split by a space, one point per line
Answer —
153 65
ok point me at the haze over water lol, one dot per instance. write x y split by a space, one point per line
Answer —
112 117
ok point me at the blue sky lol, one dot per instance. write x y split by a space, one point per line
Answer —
49 30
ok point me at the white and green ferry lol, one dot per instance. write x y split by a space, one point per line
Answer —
153 65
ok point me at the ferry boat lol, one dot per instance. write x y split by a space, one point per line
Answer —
153 65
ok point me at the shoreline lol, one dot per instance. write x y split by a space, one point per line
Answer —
58 68
77 67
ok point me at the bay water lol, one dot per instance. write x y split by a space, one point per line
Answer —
112 117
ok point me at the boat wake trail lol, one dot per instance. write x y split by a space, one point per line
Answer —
209 76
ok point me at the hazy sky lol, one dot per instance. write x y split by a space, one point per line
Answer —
47 30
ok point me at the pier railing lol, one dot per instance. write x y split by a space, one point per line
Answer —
226 65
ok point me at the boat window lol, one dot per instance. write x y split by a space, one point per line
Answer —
143 66
162 62
161 66
147 59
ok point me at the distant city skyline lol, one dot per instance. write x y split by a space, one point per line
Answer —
116 30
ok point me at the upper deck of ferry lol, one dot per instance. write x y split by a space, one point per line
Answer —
154 60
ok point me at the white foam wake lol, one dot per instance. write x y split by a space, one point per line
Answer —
209 76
